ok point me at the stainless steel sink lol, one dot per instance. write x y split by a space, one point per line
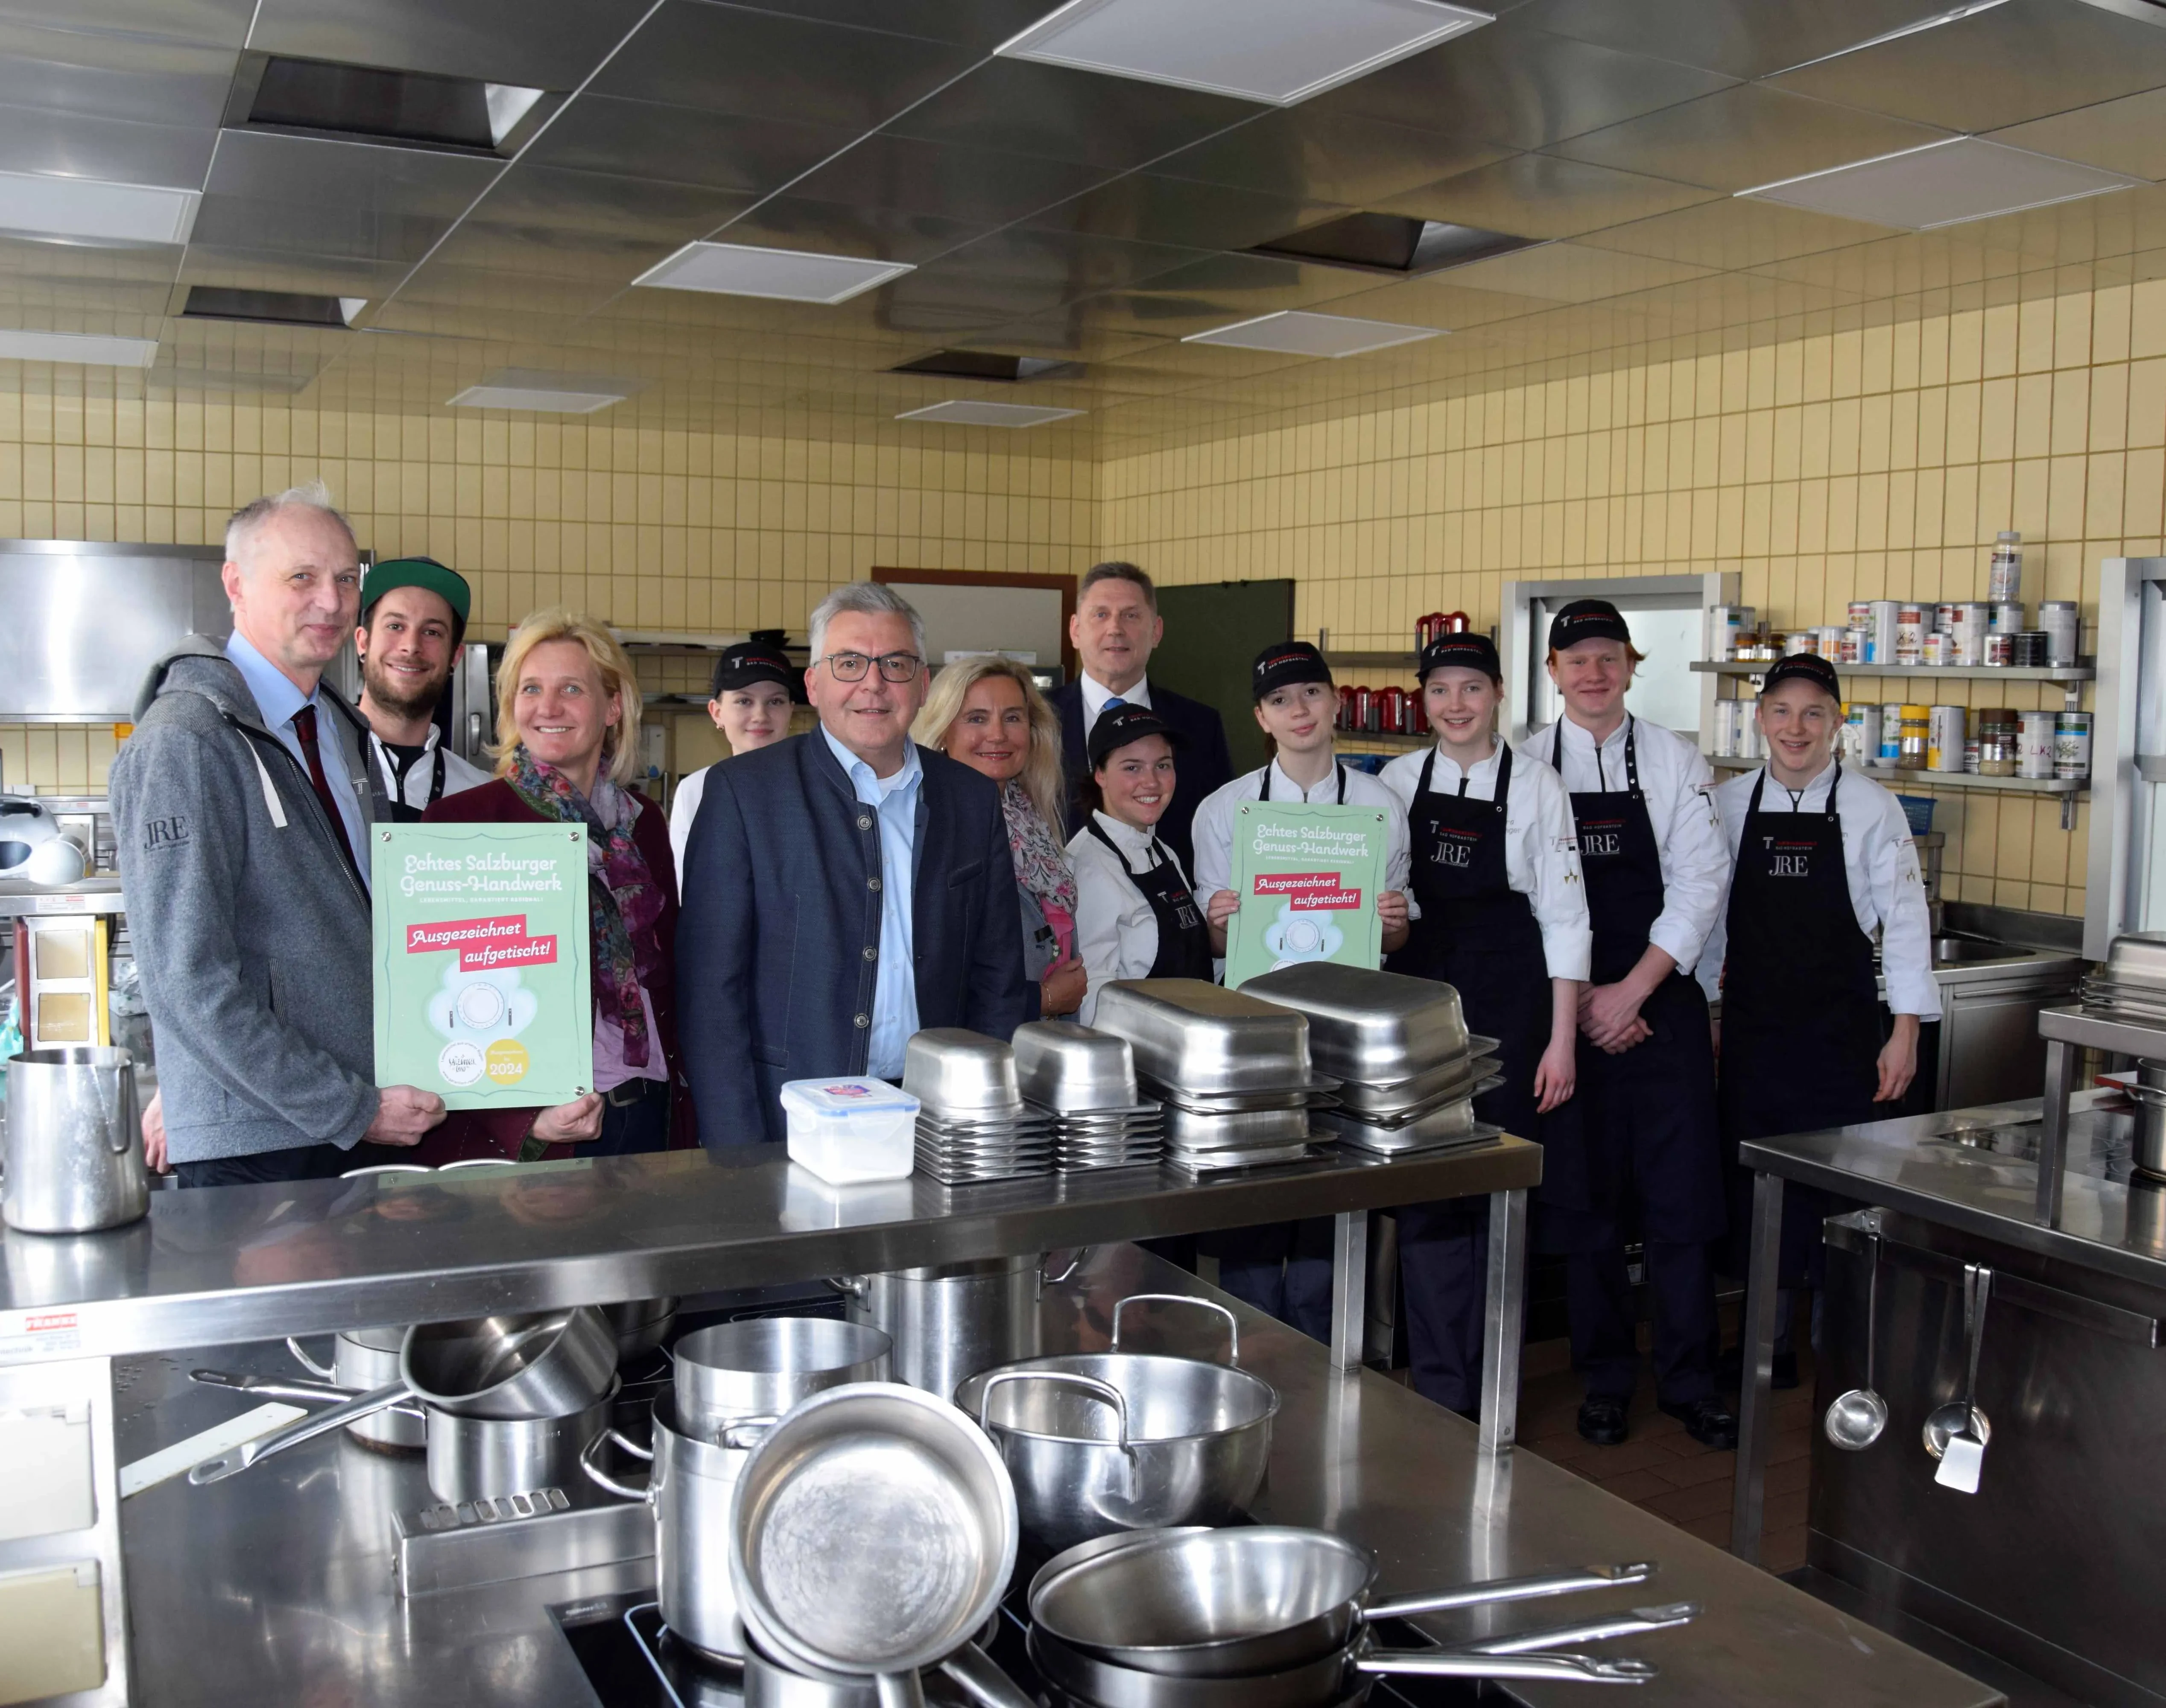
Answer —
1963 951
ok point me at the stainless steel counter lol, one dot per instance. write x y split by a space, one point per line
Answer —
2029 1567
245 1263
276 1587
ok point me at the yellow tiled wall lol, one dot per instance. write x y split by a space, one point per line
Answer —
649 529
1873 463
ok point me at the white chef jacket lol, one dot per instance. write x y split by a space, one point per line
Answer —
1541 853
1880 861
1115 932
1677 782
1096 694
684 808
459 775
1213 832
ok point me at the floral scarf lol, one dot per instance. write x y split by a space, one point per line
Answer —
623 900
1041 866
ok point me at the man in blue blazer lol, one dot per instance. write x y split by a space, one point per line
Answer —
842 890
1114 630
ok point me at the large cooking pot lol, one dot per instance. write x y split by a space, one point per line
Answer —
1103 1441
363 1359
692 1491
1225 1603
951 1321
763 1366
74 1147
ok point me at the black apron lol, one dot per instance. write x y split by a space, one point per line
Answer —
1479 935
1647 1117
401 813
1801 1019
1184 940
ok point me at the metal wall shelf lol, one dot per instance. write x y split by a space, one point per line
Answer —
1369 661
2005 673
1934 780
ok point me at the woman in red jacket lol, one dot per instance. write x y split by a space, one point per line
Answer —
567 711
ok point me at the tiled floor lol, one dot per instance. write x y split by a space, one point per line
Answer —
1663 1469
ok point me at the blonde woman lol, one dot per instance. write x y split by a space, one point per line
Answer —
567 711
988 713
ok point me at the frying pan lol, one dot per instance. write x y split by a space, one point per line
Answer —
1224 1603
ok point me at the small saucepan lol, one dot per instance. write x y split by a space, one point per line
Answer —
540 1364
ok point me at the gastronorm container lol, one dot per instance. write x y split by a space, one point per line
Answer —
1203 1037
954 1072
1376 1026
1064 1067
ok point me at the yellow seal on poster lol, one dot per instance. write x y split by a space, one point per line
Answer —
508 1062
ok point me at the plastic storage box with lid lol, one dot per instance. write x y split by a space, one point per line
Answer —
848 1131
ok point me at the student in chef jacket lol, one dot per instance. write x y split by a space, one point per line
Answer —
413 623
1823 859
1136 915
1286 1269
1655 866
1495 871
750 704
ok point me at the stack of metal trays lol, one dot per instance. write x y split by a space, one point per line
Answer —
1232 1072
1409 1069
2131 983
1085 1082
972 1122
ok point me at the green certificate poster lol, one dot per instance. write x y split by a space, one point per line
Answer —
481 951
1307 877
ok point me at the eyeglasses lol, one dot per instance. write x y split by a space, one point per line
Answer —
894 667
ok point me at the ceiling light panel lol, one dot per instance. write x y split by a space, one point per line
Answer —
76 346
966 412
542 392
92 211
1943 183
785 275
1275 51
1296 332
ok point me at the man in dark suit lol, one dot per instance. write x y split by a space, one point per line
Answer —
843 889
1114 630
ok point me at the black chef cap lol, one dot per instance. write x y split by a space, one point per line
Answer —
1587 620
1115 729
1807 667
748 662
1468 650
1287 663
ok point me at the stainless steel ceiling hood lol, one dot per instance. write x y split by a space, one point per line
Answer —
1392 243
271 308
384 104
984 364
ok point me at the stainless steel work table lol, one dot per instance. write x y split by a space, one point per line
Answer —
1898 1165
276 1587
245 1263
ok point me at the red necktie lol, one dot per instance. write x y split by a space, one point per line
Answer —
304 726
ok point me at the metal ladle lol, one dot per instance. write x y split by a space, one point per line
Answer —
1855 1420
1960 1421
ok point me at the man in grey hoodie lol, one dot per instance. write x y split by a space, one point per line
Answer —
240 809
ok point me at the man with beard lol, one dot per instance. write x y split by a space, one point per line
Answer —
413 618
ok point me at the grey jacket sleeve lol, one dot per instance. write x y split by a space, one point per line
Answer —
183 826
1000 995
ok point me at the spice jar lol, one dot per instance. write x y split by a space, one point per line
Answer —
1916 733
1997 737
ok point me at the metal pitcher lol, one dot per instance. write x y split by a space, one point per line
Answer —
75 1150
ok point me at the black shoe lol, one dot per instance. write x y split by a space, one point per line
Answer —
1730 1369
1602 1422
1707 1422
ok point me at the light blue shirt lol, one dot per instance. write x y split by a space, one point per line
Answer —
895 985
278 698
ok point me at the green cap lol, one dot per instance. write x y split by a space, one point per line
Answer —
427 573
